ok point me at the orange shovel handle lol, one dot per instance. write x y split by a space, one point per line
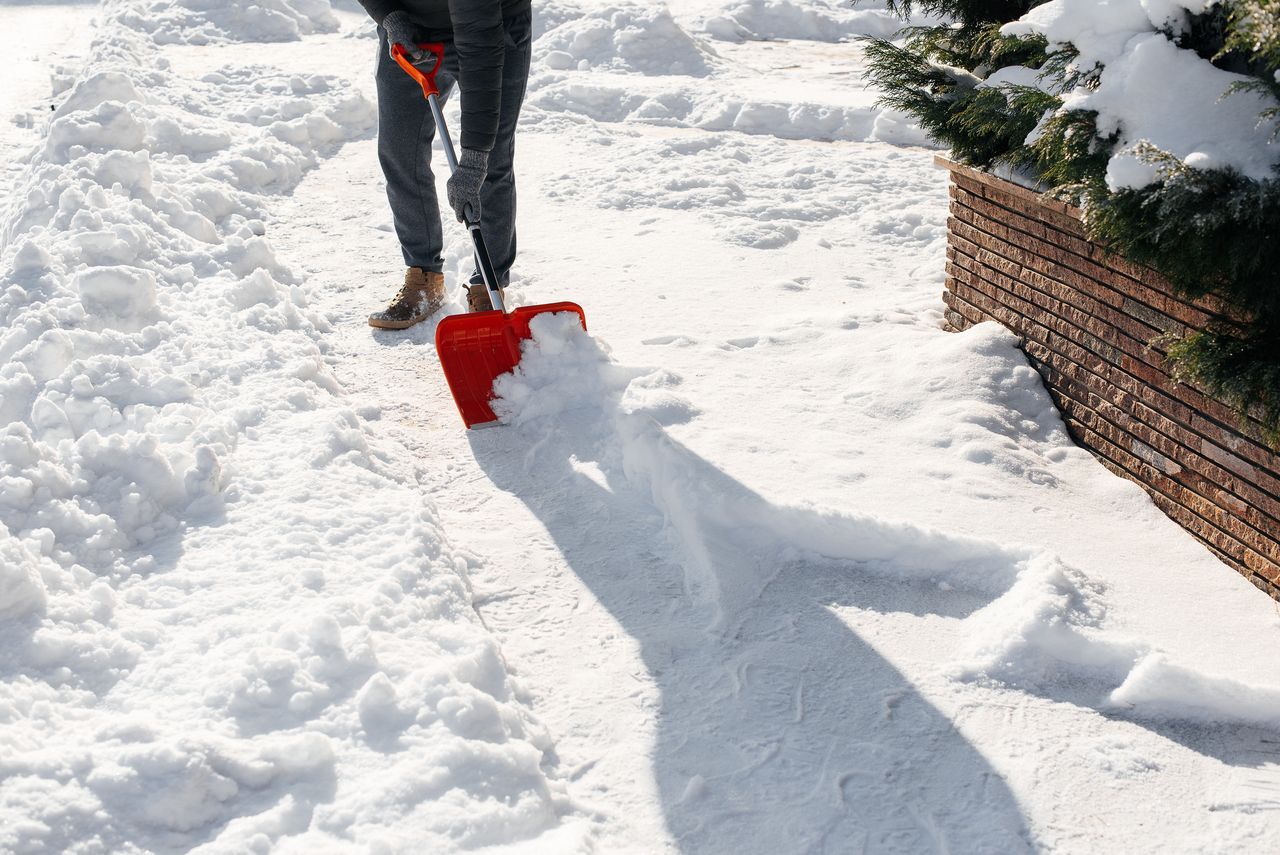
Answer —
426 79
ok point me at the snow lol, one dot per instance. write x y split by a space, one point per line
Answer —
184 483
1042 622
625 37
1098 29
815 20
591 55
22 589
203 22
42 52
1151 91
766 562
1159 688
1012 75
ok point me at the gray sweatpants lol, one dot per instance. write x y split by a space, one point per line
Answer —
405 132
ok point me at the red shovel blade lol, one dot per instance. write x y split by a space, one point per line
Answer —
477 348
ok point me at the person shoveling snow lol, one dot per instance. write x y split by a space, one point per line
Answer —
487 45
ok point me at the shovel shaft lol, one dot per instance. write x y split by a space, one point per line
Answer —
483 262
445 139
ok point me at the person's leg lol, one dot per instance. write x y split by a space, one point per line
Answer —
405 132
498 194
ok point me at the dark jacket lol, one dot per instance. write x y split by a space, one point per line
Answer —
479 37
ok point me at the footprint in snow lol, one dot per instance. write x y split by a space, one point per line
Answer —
671 340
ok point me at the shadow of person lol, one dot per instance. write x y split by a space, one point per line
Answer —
780 729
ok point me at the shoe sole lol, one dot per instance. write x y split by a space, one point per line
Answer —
384 324
378 323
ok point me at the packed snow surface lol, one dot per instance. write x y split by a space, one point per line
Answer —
782 567
1151 91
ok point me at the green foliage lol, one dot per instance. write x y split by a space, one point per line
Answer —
934 76
982 124
1208 231
1239 365
1207 35
1254 29
980 49
1069 155
1271 115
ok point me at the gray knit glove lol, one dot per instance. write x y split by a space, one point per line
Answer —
402 31
464 185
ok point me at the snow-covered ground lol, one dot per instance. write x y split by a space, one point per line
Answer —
42 45
783 567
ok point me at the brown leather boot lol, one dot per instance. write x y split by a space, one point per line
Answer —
478 299
421 295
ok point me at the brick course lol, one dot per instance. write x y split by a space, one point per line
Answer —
1092 324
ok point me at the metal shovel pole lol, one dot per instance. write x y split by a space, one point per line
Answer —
427 79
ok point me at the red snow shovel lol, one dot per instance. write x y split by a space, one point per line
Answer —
475 348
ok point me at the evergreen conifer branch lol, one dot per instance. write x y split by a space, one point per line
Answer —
1254 29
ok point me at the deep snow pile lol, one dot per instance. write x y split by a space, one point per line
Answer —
626 37
226 615
1149 90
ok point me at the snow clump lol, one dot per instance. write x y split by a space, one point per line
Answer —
562 369
1048 630
1159 688
623 37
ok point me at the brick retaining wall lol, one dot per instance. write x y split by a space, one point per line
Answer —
1088 321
